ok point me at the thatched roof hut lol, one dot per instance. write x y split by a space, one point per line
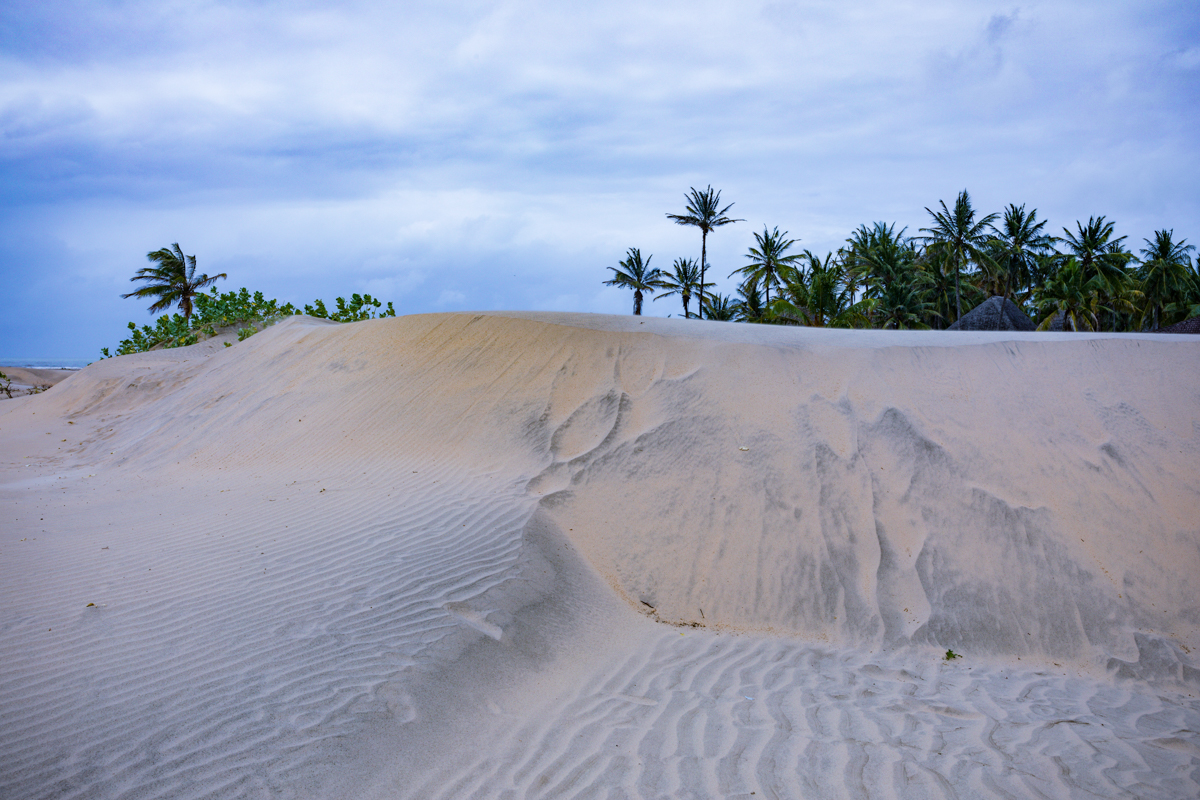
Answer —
1187 326
994 314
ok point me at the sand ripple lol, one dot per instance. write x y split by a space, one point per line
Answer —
516 556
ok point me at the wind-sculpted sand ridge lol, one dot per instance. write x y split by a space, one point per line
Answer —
432 556
286 631
727 716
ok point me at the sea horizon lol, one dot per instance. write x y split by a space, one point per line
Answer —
46 363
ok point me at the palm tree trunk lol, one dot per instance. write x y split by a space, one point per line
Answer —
687 296
703 265
637 302
957 298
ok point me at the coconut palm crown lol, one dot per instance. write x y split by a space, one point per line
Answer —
958 233
637 275
704 212
1020 241
1099 254
767 260
1166 275
682 280
1102 259
172 279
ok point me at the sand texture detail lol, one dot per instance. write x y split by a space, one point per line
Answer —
536 555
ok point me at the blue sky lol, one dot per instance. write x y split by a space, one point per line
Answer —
453 156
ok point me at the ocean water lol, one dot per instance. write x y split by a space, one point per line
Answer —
46 363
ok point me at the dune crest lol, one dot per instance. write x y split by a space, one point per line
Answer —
462 554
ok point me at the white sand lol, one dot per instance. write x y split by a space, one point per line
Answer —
436 556
21 380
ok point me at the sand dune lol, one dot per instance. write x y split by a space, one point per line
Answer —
553 555
23 379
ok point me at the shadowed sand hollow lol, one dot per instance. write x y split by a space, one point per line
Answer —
562 555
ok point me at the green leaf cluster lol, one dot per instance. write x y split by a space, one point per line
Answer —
359 307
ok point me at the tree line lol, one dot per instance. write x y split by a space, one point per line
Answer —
1088 279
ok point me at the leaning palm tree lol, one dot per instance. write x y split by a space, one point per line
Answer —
1166 274
637 275
767 260
172 280
682 280
961 235
704 212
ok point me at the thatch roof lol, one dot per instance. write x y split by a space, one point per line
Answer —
1187 326
994 314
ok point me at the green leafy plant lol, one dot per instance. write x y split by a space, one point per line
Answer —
359 307
5 385
215 311
951 655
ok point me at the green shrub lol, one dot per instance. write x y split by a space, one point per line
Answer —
215 310
359 308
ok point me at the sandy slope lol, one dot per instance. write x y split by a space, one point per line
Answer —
22 379
433 557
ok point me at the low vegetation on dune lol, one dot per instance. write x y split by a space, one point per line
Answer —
247 313
7 390
172 281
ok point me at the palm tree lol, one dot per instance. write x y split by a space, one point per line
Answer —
683 280
704 213
1166 274
719 307
1072 294
1101 257
638 276
172 280
958 233
1019 240
1099 254
819 297
750 306
860 257
898 285
939 286
767 259
859 244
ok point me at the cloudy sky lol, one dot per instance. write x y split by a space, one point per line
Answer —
501 155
